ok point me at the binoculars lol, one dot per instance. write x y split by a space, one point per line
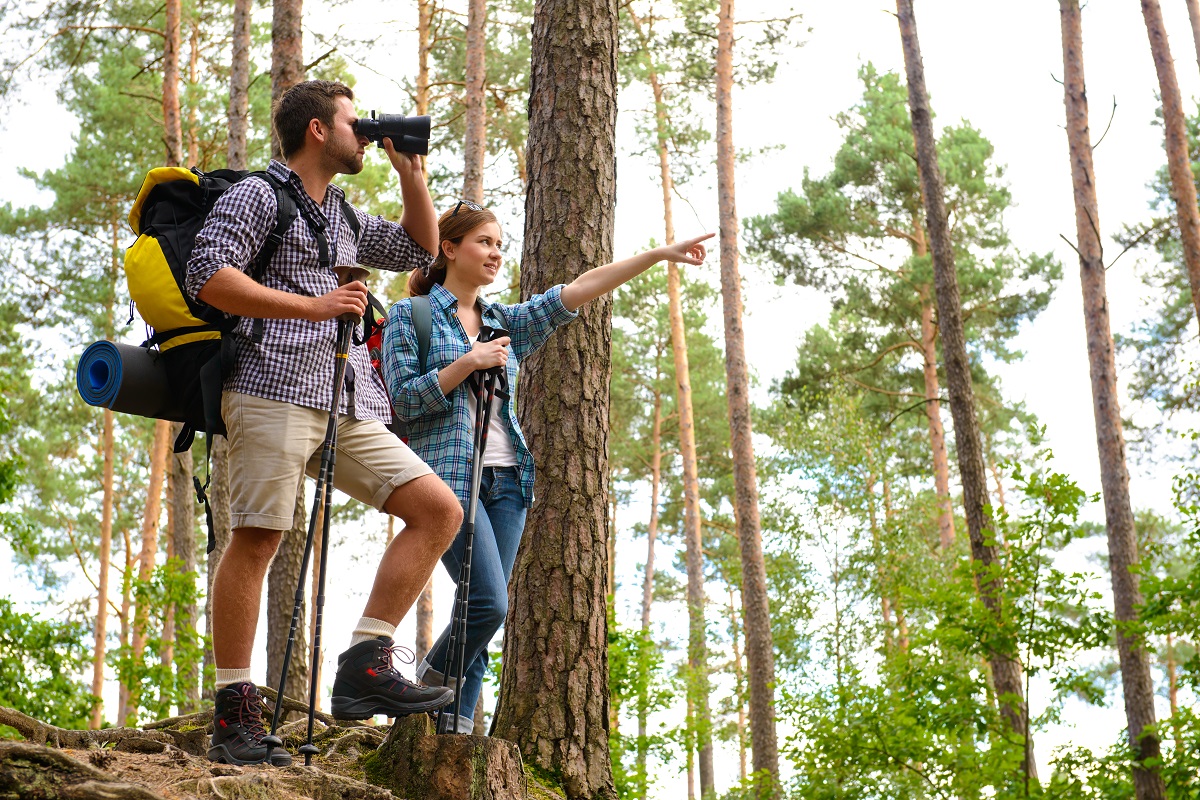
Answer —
408 134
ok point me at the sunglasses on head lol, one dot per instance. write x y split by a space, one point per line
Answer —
468 204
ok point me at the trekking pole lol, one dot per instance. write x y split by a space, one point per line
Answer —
321 503
484 384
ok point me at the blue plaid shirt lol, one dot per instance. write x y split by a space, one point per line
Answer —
439 427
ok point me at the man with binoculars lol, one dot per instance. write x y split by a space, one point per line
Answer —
277 400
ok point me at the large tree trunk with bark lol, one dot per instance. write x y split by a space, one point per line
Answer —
554 687
475 138
282 581
1136 680
239 85
287 53
760 655
106 529
1006 671
154 495
1179 163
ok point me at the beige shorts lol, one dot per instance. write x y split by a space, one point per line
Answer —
272 444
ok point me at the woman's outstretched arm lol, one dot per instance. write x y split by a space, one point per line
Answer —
602 280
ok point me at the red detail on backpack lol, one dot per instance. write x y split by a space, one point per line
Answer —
375 354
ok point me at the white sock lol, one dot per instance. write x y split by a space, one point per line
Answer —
368 628
228 677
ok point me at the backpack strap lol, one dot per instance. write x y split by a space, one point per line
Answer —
422 317
285 215
351 219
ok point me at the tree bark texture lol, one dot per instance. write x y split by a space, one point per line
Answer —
239 85
106 520
1179 163
1136 680
554 687
475 137
1006 670
154 495
172 124
282 581
425 9
287 53
218 498
760 655
183 542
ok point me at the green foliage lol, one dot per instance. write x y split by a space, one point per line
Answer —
40 663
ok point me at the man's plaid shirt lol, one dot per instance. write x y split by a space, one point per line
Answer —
439 427
294 361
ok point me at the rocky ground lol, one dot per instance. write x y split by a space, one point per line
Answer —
166 761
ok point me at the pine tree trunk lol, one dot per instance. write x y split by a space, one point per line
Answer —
166 688
1006 670
643 699
287 54
126 620
475 138
739 674
282 580
183 541
554 686
1194 16
239 85
1179 164
106 529
1136 679
755 608
154 495
218 498
314 588
172 124
425 11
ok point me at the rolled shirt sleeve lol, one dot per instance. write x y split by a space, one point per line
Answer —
531 323
233 233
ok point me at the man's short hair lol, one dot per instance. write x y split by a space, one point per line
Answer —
300 105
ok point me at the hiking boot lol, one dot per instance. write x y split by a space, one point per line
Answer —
367 684
238 733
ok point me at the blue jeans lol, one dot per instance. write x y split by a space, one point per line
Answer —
499 521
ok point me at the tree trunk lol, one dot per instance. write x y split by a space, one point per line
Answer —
239 85
1136 680
183 541
218 498
166 688
154 495
643 699
697 644
755 609
282 581
980 527
475 138
172 124
314 589
125 617
287 54
106 520
1179 163
739 674
1194 16
554 686
425 11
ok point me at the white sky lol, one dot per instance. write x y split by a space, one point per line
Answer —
993 64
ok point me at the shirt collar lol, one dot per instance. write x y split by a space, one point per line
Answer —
279 170
442 298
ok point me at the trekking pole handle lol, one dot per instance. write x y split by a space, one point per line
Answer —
349 274
490 334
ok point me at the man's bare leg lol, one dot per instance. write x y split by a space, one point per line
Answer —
432 517
237 595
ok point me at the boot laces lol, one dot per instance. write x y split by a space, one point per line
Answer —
386 654
250 714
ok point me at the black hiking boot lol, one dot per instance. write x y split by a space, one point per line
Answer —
367 684
238 733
